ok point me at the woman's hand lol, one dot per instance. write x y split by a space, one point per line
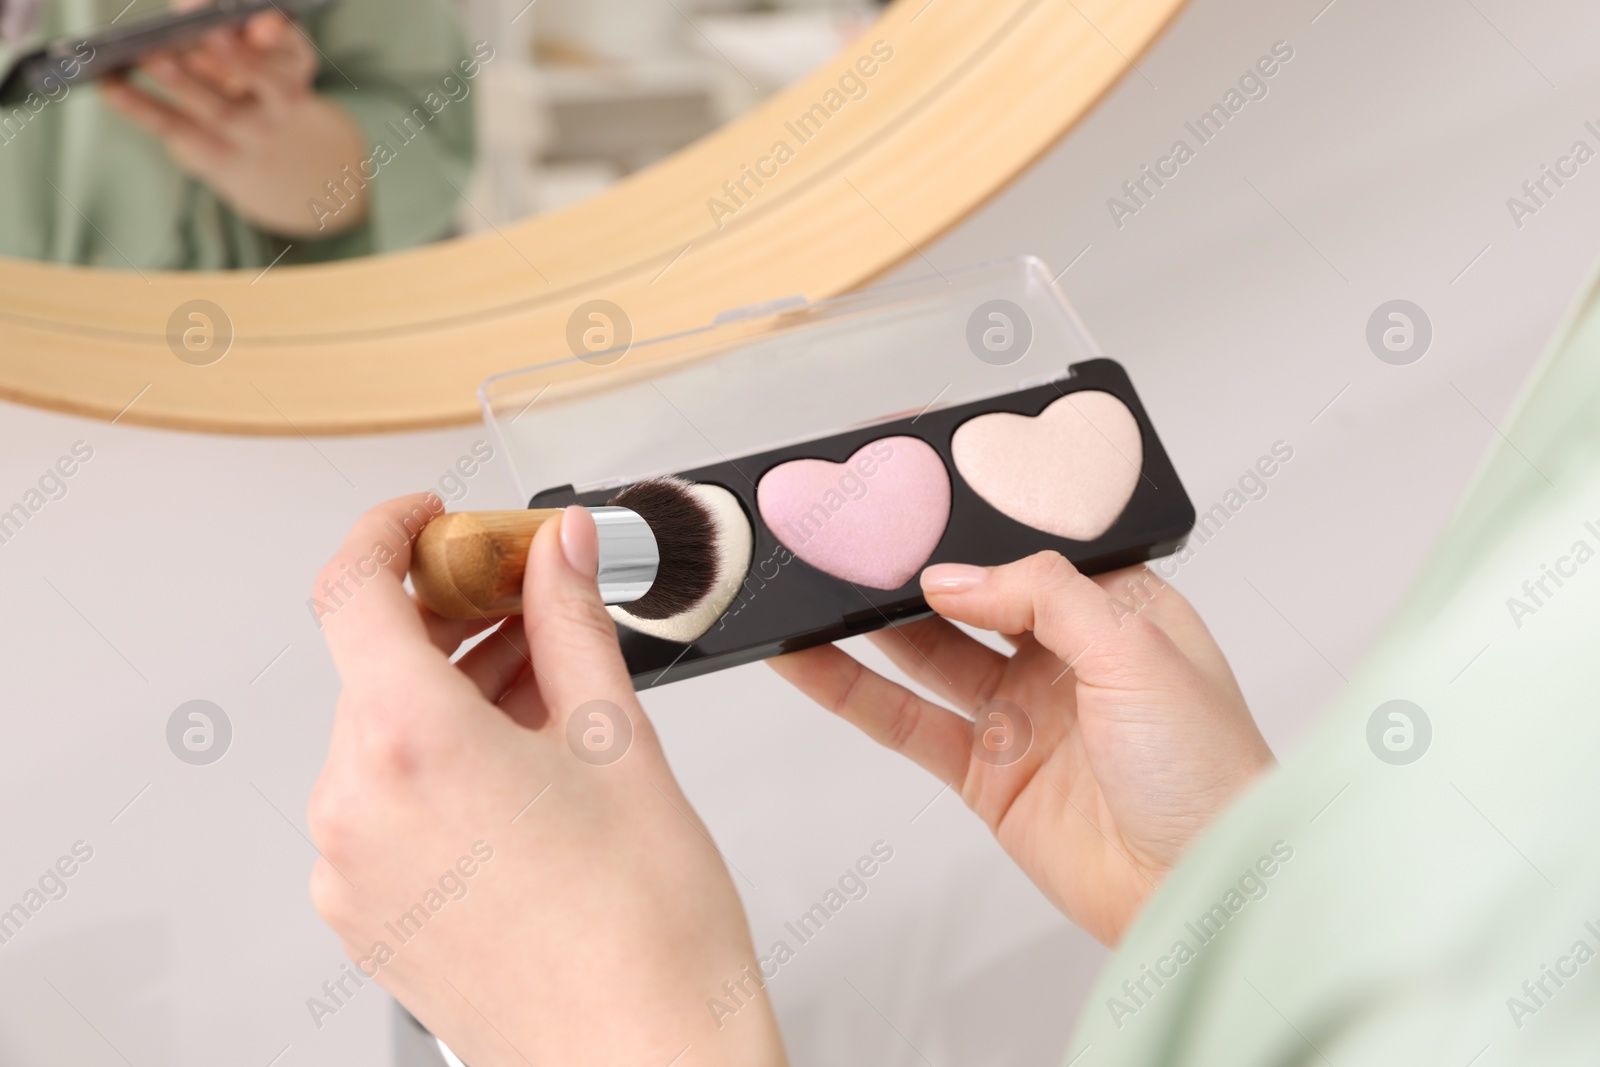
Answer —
1111 737
237 111
503 845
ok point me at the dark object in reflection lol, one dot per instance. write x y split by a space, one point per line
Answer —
68 60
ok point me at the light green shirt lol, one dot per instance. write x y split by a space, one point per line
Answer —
1353 911
81 184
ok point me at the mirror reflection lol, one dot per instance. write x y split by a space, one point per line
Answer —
205 136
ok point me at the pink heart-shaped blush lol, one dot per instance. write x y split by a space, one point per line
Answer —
1070 471
873 520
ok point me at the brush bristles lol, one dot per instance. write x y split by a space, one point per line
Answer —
686 538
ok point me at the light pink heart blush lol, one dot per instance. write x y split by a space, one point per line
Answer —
1070 471
873 520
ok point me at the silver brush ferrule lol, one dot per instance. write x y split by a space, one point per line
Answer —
628 555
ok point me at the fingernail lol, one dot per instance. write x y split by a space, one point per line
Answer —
579 542
953 578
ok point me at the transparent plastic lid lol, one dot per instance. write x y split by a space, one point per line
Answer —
782 373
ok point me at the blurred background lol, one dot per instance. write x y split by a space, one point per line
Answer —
591 90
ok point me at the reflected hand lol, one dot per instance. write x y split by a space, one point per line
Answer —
1094 779
533 888
237 111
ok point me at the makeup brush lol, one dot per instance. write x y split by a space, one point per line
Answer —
661 554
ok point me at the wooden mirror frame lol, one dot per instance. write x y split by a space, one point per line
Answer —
975 91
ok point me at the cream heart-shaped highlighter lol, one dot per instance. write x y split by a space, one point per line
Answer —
1070 471
873 520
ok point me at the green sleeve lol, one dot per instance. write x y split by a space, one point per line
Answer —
402 71
1415 888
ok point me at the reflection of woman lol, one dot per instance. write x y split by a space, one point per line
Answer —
349 136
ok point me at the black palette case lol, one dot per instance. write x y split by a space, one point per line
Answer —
792 380
786 604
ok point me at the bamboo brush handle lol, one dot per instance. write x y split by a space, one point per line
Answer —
469 564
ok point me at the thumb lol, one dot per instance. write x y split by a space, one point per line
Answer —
266 30
571 639
1071 615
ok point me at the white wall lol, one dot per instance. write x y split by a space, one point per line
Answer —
177 566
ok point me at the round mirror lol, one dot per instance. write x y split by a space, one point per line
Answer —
347 221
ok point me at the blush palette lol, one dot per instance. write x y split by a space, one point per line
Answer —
964 418
842 526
